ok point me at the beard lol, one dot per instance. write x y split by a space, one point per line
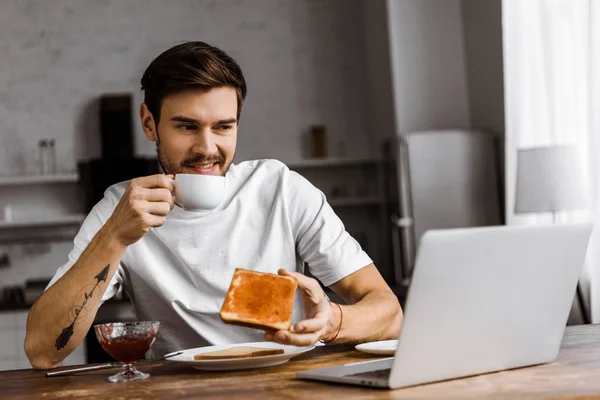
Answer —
172 167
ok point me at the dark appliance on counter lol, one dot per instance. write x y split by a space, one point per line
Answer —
17 297
116 164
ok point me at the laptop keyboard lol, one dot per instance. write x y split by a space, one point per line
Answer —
377 374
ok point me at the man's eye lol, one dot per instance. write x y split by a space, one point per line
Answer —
223 128
187 127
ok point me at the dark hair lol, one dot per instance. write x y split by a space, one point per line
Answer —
190 65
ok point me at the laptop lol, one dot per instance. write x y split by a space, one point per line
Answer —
481 300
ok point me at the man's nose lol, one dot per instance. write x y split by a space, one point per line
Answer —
205 143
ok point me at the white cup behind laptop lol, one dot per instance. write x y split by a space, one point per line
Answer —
195 192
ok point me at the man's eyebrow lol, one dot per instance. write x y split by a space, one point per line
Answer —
180 118
226 121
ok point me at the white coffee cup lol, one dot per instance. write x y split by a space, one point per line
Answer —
194 192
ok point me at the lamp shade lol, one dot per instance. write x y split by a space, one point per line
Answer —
549 179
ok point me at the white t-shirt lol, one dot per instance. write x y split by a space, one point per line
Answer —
179 273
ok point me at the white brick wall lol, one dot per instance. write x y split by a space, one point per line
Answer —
303 61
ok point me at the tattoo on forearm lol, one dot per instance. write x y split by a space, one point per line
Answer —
65 335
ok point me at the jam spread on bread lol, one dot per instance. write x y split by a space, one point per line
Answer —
259 300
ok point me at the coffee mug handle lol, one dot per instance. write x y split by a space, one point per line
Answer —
174 185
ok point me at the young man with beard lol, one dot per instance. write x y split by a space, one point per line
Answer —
176 266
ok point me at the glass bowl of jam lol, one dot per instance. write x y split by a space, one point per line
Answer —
127 342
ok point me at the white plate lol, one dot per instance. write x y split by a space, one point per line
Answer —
384 347
187 357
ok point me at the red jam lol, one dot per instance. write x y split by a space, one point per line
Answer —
128 349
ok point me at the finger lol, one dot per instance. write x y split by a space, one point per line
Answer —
158 194
304 282
309 285
154 221
161 208
171 183
309 325
284 272
155 181
292 339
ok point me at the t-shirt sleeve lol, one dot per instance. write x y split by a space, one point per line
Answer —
321 238
91 225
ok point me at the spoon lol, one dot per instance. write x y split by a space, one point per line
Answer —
103 366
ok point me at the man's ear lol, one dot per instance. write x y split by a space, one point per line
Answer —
148 124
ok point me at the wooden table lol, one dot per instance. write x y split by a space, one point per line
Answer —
575 374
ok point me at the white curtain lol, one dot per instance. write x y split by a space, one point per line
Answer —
552 94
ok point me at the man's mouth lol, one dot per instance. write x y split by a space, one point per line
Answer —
206 168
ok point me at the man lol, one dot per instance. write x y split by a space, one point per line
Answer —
176 266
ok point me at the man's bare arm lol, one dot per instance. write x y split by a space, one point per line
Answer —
62 316
60 319
373 313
